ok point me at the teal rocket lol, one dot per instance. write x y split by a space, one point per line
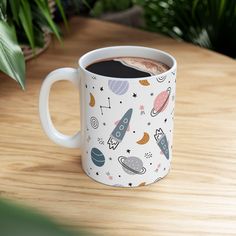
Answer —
118 133
161 140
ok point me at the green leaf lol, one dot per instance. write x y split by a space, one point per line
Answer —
15 6
58 2
3 7
43 7
97 10
12 61
16 220
26 21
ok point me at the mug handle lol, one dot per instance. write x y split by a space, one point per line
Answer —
71 75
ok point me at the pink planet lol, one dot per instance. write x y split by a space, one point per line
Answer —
161 102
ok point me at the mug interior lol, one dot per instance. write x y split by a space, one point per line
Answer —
127 51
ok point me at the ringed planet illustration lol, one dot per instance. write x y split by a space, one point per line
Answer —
144 139
132 165
92 100
144 82
160 102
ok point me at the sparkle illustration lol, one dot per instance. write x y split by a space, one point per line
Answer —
148 155
132 165
106 107
101 141
161 140
160 102
118 133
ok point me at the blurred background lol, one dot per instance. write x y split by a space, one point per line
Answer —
27 26
207 23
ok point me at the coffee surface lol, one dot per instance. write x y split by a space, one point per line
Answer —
127 67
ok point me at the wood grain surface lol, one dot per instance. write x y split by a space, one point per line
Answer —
198 197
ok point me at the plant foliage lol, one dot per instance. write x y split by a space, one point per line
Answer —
208 23
29 19
16 220
103 6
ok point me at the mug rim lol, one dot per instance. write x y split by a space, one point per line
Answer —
173 67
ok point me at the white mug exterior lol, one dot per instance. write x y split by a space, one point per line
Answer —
126 124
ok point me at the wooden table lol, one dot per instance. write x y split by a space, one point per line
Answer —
198 197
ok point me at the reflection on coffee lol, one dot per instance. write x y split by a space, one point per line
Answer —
127 67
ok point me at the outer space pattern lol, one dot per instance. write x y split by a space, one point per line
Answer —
129 129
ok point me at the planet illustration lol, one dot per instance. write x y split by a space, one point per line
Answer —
94 122
132 165
97 157
144 82
92 100
160 102
118 87
144 139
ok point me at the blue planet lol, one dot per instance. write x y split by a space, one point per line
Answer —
97 157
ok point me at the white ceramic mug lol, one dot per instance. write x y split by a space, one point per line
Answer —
126 124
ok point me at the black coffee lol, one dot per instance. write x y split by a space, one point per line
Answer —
127 67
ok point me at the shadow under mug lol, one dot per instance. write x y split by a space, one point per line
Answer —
126 123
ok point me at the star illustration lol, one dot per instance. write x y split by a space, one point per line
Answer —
134 95
128 151
101 89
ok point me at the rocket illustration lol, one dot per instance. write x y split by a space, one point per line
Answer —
161 140
118 133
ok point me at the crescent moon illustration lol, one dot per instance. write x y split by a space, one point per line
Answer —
144 139
92 100
144 82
